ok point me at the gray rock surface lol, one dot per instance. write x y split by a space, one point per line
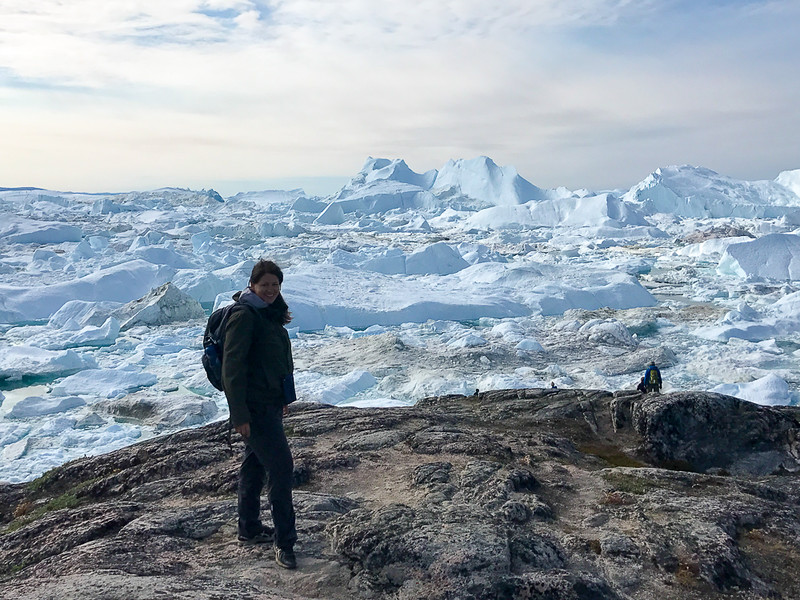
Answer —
536 494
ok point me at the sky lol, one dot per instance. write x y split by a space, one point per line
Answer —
240 95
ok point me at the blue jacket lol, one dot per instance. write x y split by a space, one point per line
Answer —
657 375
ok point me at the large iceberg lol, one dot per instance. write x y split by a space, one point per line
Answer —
774 256
697 192
481 179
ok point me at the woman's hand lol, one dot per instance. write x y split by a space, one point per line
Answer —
243 430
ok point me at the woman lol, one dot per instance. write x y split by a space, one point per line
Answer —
257 357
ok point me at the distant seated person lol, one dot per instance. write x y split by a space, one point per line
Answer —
642 387
652 378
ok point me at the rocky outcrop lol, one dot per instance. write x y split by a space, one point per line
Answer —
716 433
543 494
714 232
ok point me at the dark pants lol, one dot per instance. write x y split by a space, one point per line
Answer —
267 459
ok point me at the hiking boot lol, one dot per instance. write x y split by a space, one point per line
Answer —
263 537
285 558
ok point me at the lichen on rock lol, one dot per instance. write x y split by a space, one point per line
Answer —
509 494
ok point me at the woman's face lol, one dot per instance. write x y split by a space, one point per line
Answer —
267 288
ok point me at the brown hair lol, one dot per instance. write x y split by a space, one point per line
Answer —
263 267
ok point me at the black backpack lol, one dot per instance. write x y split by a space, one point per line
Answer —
214 340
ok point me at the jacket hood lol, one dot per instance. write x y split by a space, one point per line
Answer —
276 310
249 297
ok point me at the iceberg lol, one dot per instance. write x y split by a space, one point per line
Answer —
103 383
26 231
769 390
698 192
21 361
36 406
773 256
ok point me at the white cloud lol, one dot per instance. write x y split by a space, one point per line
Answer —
92 42
575 92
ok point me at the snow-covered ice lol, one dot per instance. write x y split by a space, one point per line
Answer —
775 256
35 406
20 361
103 383
768 390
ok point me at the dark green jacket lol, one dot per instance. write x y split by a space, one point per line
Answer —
257 355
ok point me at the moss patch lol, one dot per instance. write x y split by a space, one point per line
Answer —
629 484
611 455
29 510
67 500
39 484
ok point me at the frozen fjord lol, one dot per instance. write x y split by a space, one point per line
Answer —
402 285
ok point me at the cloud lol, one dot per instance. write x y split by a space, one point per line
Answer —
572 92
82 40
